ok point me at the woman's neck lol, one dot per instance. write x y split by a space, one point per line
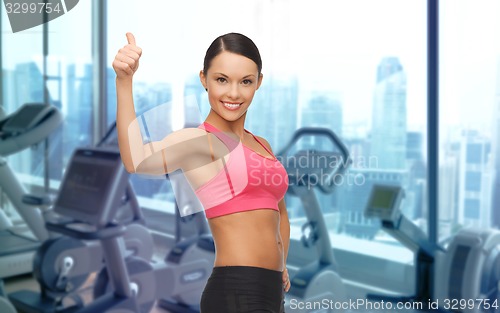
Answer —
235 127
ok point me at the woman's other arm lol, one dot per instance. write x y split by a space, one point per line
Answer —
285 238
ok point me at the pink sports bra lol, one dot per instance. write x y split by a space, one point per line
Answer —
248 180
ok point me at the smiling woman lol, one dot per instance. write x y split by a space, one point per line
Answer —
247 216
231 83
231 74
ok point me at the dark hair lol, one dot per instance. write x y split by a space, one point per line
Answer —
235 43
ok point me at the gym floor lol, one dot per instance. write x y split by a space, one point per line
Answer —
27 282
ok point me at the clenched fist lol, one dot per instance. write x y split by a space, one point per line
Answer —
126 60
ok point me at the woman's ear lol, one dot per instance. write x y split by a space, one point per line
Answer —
203 80
260 80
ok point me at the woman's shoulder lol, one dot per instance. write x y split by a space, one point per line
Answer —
264 142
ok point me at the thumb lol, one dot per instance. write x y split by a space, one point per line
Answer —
131 39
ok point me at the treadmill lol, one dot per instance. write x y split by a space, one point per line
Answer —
29 125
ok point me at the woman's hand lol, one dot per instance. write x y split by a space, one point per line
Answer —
126 61
286 280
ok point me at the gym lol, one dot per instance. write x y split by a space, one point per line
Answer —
384 113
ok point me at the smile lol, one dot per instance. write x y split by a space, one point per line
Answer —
231 106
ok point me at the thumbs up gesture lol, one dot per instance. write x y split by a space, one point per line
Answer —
126 61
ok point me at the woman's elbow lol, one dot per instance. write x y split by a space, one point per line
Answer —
129 168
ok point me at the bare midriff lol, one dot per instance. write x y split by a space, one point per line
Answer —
250 238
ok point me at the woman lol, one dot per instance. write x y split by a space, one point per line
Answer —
235 175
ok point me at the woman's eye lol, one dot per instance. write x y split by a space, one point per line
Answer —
221 80
247 82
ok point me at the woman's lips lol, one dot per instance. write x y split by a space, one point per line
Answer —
232 106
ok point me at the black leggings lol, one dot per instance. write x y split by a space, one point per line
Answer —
242 289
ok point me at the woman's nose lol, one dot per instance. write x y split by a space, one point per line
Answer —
233 92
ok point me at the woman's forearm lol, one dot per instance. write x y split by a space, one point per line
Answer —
129 135
284 230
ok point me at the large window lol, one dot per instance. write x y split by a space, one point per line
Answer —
22 82
469 115
66 77
70 75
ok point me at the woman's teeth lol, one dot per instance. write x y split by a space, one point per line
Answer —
231 105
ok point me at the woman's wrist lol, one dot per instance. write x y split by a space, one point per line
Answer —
127 80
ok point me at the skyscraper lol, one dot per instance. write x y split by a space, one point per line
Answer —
78 105
448 189
389 115
322 111
496 155
387 154
28 85
475 188
9 102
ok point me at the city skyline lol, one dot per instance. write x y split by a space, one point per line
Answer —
321 110
343 63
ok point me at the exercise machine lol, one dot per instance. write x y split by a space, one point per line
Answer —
29 125
383 203
468 275
464 277
91 193
63 264
317 281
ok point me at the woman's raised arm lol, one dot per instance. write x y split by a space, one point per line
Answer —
125 64
176 150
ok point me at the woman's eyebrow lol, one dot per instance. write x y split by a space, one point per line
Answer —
222 74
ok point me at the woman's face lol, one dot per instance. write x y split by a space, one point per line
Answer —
231 80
